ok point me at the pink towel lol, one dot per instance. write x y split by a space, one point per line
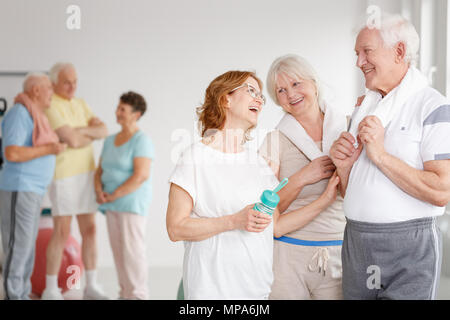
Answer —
42 132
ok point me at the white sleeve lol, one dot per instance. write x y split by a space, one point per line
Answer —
184 174
435 143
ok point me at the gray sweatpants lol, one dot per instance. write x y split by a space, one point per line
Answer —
400 260
19 217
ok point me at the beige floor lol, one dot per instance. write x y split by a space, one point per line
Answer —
163 284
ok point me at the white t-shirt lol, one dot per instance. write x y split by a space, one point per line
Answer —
419 133
234 264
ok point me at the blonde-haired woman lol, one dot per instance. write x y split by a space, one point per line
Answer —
307 256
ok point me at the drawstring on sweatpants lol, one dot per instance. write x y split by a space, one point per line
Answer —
320 258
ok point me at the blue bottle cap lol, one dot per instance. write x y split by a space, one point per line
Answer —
270 198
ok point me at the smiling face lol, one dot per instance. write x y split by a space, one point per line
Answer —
381 65
242 108
125 114
67 83
43 92
296 96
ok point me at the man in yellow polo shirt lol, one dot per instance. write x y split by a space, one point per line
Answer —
72 191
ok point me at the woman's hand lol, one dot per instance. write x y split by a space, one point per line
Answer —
330 193
57 147
110 197
316 170
100 195
251 220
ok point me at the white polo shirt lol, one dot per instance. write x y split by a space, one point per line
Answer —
420 132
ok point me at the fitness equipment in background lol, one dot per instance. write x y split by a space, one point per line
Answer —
3 107
71 268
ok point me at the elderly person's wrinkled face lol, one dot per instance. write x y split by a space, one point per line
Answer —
67 83
46 91
245 103
125 114
296 96
41 92
376 61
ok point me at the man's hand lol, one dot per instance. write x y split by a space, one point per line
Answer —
343 152
95 122
344 155
58 147
371 134
95 129
15 153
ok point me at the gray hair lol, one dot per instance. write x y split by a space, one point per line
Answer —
57 68
295 67
394 28
32 79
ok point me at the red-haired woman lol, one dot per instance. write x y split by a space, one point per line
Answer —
228 246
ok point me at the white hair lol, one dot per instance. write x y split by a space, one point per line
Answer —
32 79
295 67
57 68
393 29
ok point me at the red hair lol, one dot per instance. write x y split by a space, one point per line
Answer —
212 114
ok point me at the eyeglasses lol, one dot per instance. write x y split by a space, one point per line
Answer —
254 93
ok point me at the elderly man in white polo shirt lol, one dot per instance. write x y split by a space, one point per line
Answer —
395 171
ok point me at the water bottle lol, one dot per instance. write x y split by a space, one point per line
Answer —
270 199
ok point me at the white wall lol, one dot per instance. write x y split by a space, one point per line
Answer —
169 51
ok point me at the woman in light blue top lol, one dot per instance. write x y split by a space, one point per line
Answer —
123 188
